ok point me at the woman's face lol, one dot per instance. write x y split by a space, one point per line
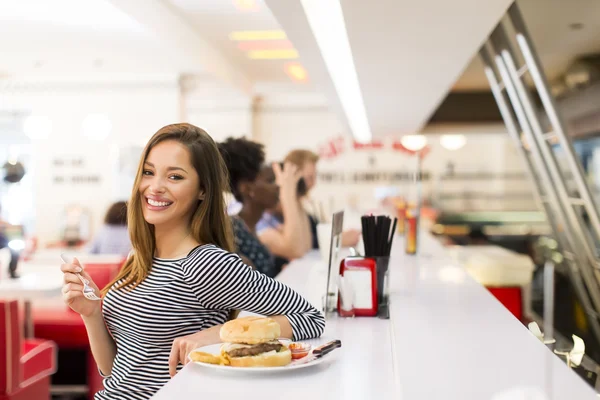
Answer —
170 187
309 173
265 190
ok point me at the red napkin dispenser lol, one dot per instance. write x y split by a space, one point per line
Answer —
361 272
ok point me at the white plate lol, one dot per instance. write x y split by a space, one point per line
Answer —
216 350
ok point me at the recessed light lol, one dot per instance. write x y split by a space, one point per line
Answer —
96 126
37 127
453 142
414 142
257 35
296 72
273 54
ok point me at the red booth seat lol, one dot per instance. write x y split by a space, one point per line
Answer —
61 324
511 298
66 328
25 365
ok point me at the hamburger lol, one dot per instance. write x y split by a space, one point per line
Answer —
253 342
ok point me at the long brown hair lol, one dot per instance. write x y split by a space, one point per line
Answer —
209 223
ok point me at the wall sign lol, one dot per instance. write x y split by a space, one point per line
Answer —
337 146
72 170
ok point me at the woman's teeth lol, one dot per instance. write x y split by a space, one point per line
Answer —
158 203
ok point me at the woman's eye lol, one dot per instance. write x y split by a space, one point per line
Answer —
146 172
176 177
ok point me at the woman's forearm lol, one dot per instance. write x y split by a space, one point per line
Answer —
102 344
296 230
286 327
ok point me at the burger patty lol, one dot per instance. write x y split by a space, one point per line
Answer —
254 350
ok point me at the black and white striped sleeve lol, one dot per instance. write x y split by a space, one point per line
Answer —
220 280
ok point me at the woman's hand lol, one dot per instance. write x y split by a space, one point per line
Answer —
72 290
350 237
287 178
182 346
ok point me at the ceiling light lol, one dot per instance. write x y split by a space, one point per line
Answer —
37 127
96 126
296 72
257 35
453 142
285 54
265 45
326 21
246 5
414 142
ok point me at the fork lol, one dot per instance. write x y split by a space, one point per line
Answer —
88 292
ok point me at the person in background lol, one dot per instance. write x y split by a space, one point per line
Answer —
293 239
113 236
273 220
14 255
253 185
182 281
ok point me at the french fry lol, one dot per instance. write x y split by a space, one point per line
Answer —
207 358
225 359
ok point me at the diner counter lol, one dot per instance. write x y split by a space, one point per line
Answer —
453 340
447 337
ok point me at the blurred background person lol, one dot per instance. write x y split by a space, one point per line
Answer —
273 220
12 255
253 186
113 236
292 239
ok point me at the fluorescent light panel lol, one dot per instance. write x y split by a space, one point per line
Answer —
246 5
257 35
265 45
326 20
284 54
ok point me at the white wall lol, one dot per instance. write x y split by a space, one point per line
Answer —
285 124
284 117
136 110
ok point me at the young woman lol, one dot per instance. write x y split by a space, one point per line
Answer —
182 281
256 187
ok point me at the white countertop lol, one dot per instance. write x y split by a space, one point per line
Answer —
447 338
36 280
454 340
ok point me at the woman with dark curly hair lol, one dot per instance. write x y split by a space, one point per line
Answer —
258 187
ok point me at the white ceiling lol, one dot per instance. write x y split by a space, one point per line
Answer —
216 19
407 57
67 37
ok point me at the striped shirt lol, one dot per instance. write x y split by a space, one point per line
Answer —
181 297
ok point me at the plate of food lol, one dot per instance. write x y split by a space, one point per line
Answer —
253 344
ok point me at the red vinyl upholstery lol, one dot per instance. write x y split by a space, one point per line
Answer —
511 298
25 365
66 328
